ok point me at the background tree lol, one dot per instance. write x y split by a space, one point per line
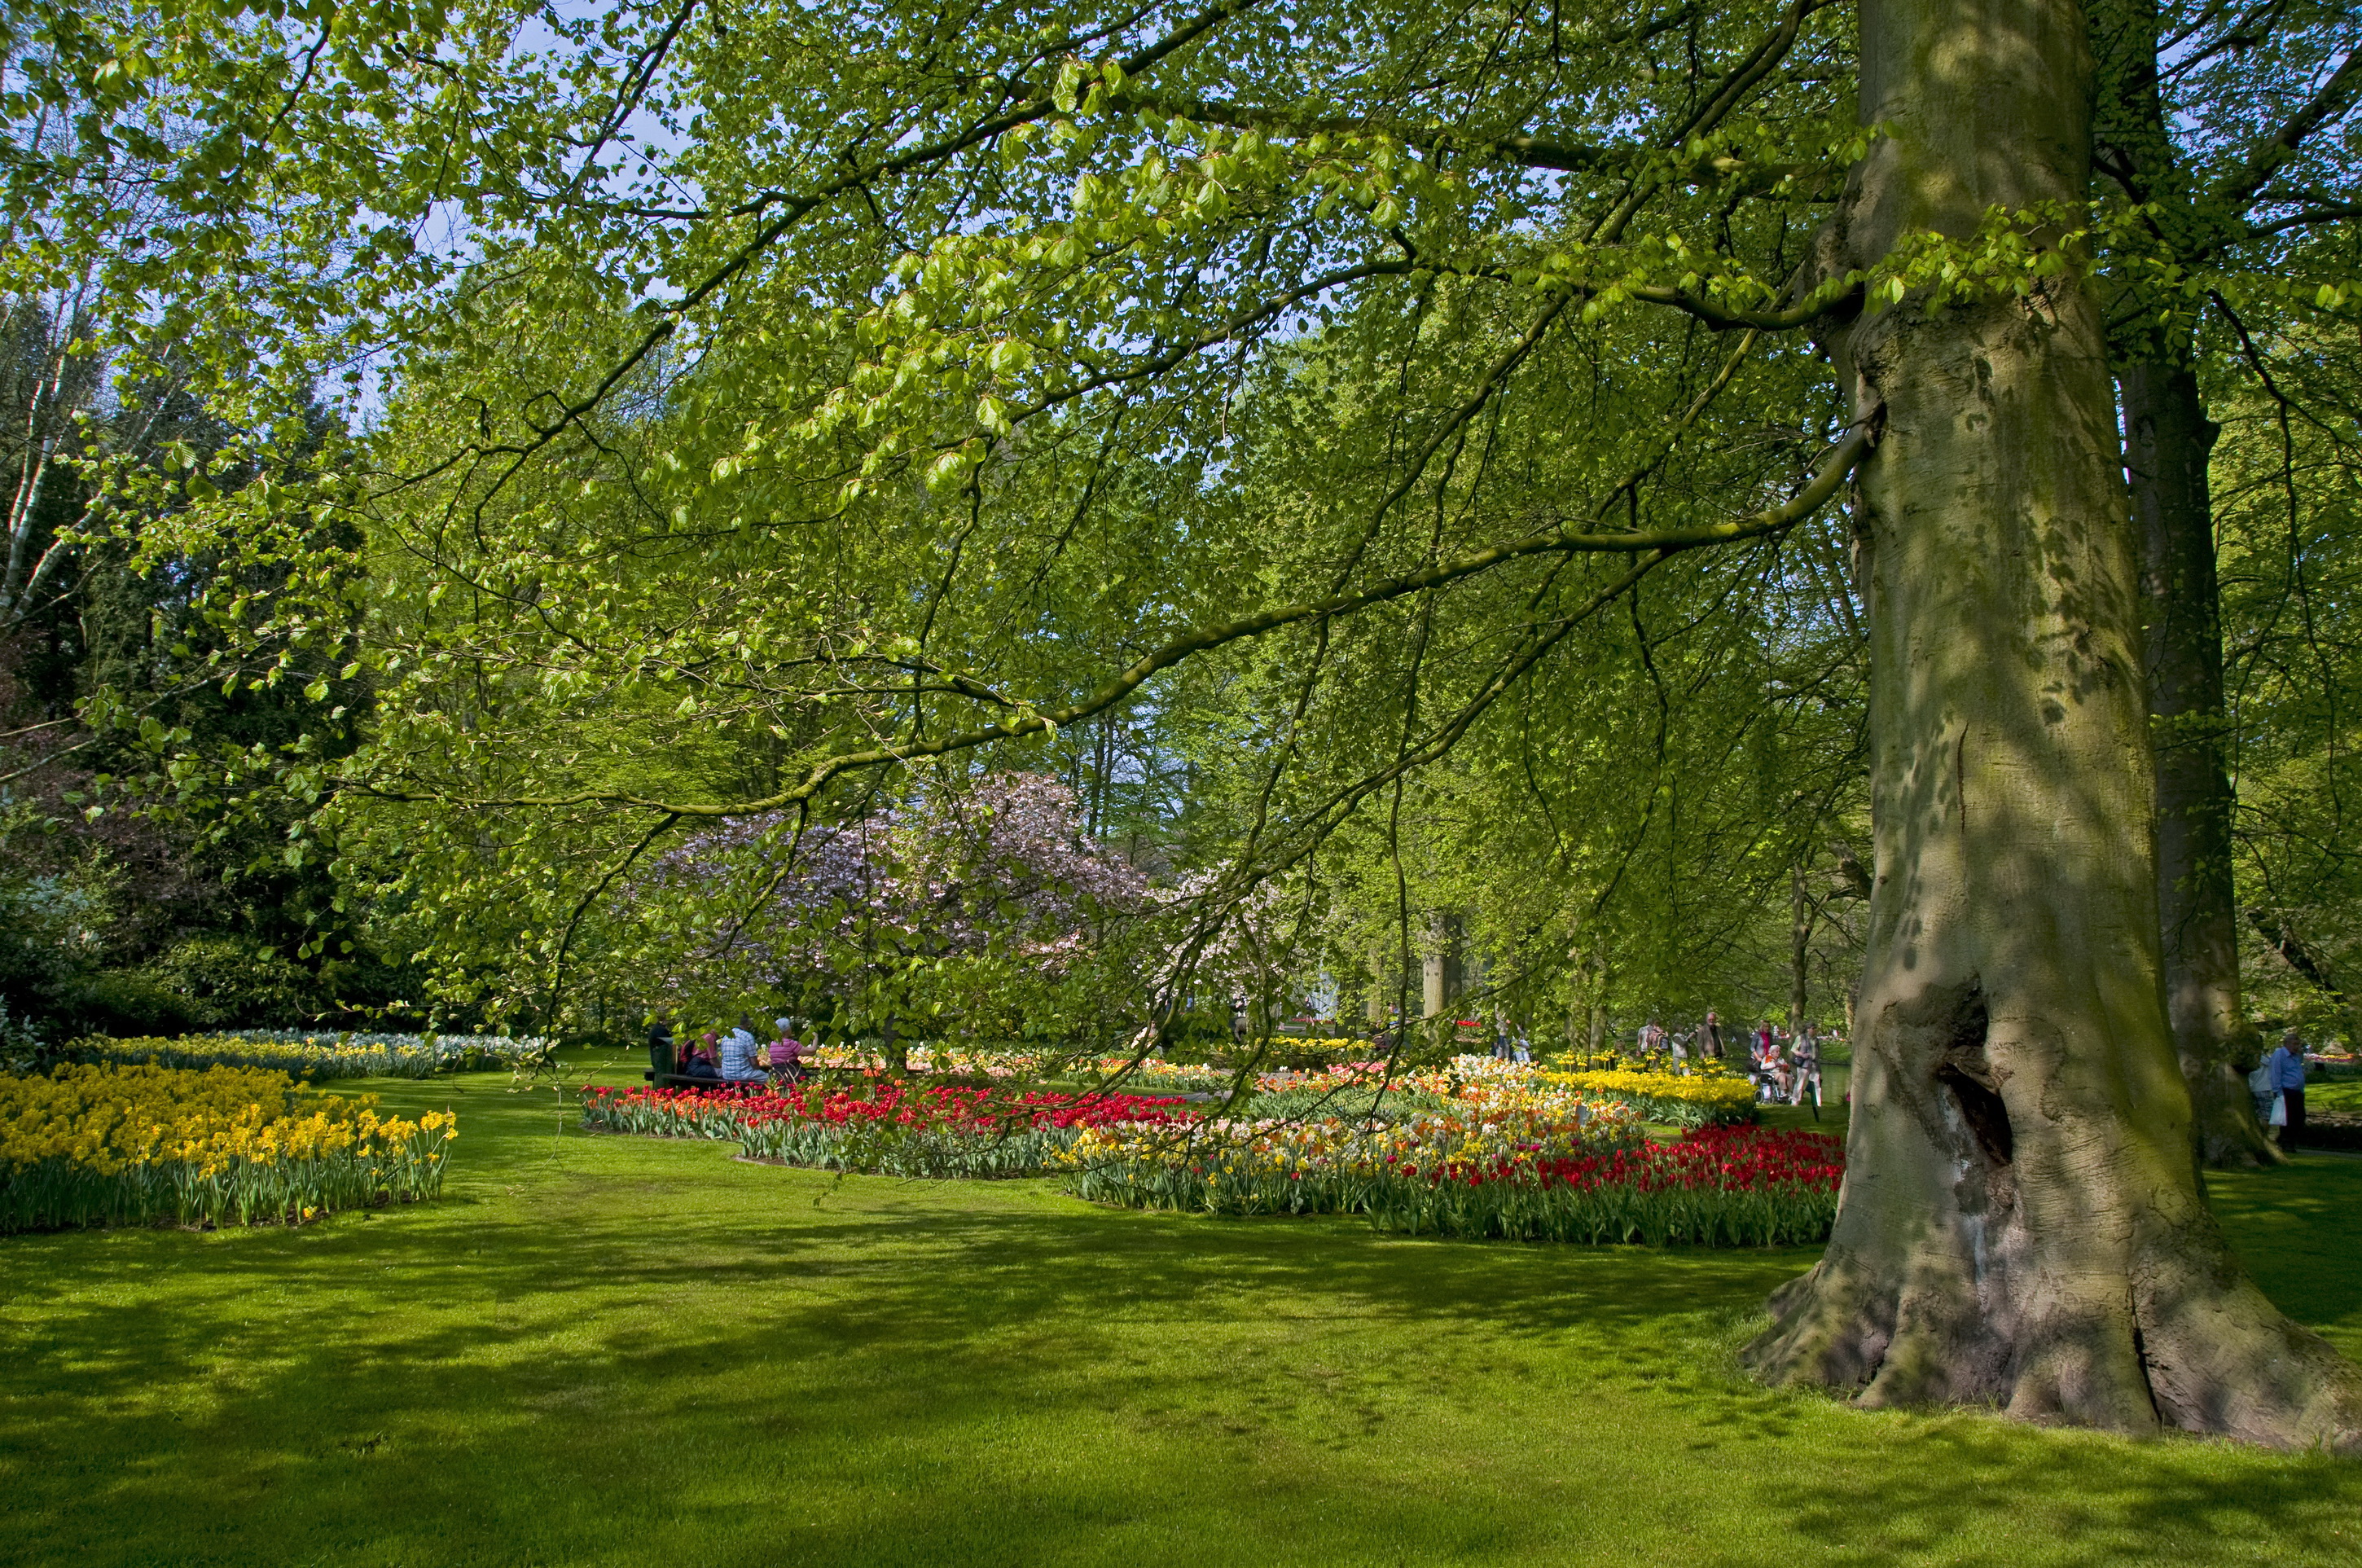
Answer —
2228 194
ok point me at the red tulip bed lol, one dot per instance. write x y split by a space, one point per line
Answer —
881 1126
1715 1187
1730 1187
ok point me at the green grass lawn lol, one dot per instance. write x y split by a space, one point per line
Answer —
622 1351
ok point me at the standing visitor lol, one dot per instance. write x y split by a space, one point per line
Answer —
1804 1066
2288 1078
1681 1056
1522 1050
1710 1038
1500 1036
2260 1090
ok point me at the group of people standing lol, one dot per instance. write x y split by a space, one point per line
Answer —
1784 1067
727 1057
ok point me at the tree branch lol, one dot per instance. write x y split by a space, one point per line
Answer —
2264 159
1658 544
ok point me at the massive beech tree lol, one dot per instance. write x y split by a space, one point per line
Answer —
795 392
2021 1222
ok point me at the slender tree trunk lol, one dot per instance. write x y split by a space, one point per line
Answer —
2168 435
2167 440
2022 1221
1800 943
1598 1040
1439 977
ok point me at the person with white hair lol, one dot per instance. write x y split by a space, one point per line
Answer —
787 1053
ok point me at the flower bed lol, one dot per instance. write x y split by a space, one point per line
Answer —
1340 1164
115 1145
318 1055
1706 1098
1695 1100
883 1126
1716 1186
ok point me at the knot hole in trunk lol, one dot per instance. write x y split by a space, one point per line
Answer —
1964 1073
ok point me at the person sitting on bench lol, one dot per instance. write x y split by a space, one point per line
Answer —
700 1063
662 1062
738 1062
787 1052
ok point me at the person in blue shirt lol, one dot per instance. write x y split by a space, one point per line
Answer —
2288 1078
738 1062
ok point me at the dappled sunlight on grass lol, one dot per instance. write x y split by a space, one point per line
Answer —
613 1350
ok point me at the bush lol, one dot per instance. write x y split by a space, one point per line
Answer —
127 1001
236 980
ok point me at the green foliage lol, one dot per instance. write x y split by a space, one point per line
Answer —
1301 427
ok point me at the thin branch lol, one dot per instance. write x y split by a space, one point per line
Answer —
1660 545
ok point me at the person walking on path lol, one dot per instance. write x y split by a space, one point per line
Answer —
2288 1078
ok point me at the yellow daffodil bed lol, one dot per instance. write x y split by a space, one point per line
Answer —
121 1145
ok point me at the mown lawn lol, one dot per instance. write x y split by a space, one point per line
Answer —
612 1350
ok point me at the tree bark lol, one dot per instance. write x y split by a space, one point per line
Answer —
2022 1221
2167 437
1800 945
1440 977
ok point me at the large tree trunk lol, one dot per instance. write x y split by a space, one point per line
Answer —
2166 440
2022 1220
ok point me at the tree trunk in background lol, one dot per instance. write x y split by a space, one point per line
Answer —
2167 440
2167 437
1440 977
2022 1221
1800 944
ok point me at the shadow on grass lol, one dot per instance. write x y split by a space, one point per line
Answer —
617 1349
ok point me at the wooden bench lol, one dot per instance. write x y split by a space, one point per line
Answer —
685 1080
